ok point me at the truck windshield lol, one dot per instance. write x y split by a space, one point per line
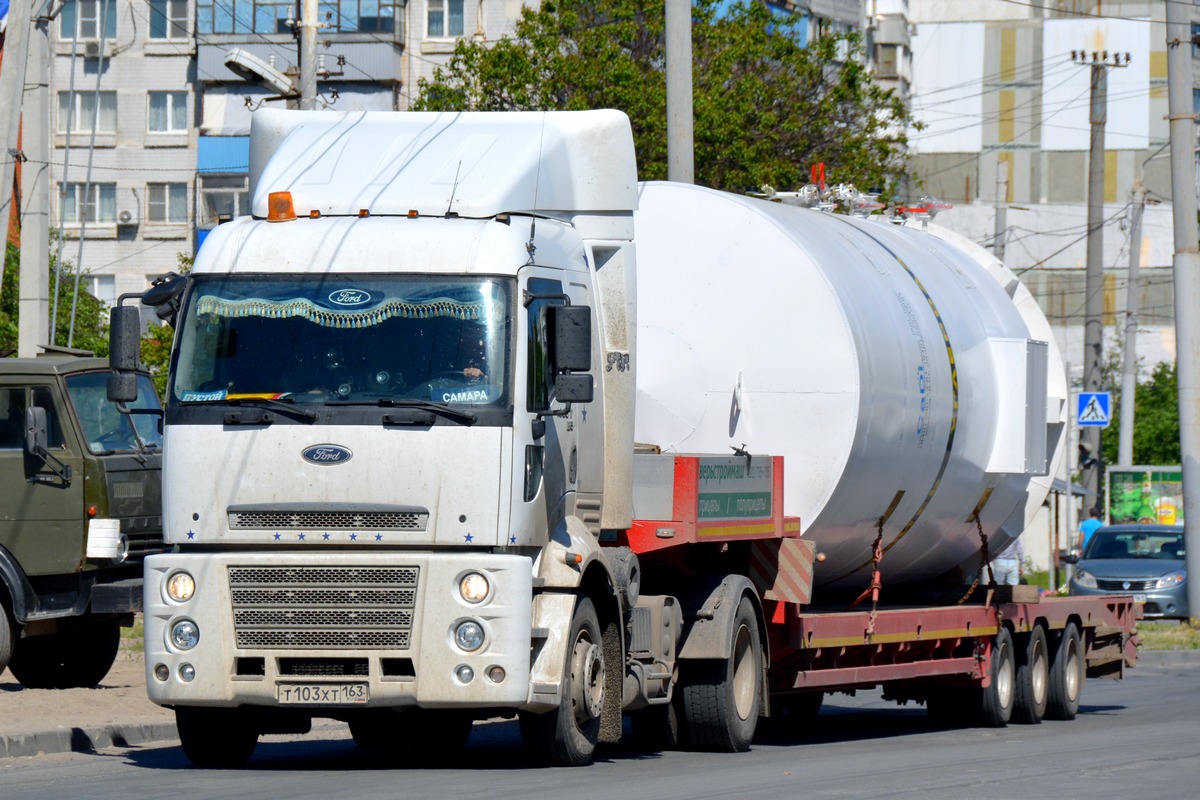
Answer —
105 428
345 340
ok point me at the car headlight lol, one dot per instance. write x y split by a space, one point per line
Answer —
474 587
185 634
469 635
1085 579
1171 579
181 586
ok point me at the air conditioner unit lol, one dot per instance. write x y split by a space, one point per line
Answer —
97 48
126 217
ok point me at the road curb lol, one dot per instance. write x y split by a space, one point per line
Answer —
84 740
1169 658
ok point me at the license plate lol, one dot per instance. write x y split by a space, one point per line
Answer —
322 694
1139 598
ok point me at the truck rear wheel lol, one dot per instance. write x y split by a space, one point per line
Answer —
216 737
69 659
996 701
567 735
721 701
1067 673
1033 678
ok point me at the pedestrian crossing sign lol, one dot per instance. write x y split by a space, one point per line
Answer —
1093 409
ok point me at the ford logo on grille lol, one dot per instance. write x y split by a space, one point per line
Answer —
326 454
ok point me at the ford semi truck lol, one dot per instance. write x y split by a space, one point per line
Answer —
465 422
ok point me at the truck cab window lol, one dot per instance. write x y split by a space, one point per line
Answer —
540 381
12 418
104 427
43 397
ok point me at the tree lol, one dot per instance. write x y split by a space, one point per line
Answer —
156 343
1155 418
91 318
766 106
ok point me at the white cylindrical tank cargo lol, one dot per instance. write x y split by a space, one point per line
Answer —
904 375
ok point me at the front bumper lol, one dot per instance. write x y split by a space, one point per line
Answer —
1160 603
380 622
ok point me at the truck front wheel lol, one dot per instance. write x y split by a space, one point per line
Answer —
1066 675
6 638
567 735
68 659
216 737
721 700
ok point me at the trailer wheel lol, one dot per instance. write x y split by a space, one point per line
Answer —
567 735
721 700
216 737
996 701
71 659
1033 678
1066 675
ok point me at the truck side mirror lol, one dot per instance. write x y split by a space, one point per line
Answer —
36 438
576 388
570 338
124 338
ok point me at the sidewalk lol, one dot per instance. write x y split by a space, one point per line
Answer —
117 713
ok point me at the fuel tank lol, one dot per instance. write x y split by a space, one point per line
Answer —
907 377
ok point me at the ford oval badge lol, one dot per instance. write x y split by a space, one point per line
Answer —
326 454
350 297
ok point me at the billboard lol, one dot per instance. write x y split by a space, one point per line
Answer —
1145 494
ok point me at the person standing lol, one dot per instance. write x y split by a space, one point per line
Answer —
1088 527
1009 565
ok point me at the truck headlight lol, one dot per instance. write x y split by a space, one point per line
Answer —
474 587
181 586
1085 579
469 635
185 634
1171 579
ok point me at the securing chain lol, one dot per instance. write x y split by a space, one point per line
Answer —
876 584
985 562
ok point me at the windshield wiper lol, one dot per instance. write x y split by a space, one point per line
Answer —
465 417
286 405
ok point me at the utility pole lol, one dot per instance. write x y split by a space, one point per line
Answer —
681 165
1132 296
1093 332
34 292
12 87
1186 265
309 23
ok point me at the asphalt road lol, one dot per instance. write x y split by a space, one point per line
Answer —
1135 738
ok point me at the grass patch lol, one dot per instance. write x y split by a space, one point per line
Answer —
1169 636
131 638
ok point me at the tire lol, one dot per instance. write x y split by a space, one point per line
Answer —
721 701
656 728
418 735
69 659
1068 671
216 737
996 701
7 635
567 735
1033 680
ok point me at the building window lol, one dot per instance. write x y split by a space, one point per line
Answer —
367 16
445 18
168 202
168 112
96 203
223 195
84 19
168 19
103 288
78 112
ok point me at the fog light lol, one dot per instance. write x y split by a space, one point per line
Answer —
161 672
187 673
464 674
469 635
473 587
181 586
496 674
185 634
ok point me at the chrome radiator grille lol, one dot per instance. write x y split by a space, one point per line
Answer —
1118 584
323 607
327 520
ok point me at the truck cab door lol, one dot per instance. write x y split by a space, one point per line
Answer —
557 448
42 520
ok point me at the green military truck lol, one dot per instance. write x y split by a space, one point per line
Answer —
80 506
